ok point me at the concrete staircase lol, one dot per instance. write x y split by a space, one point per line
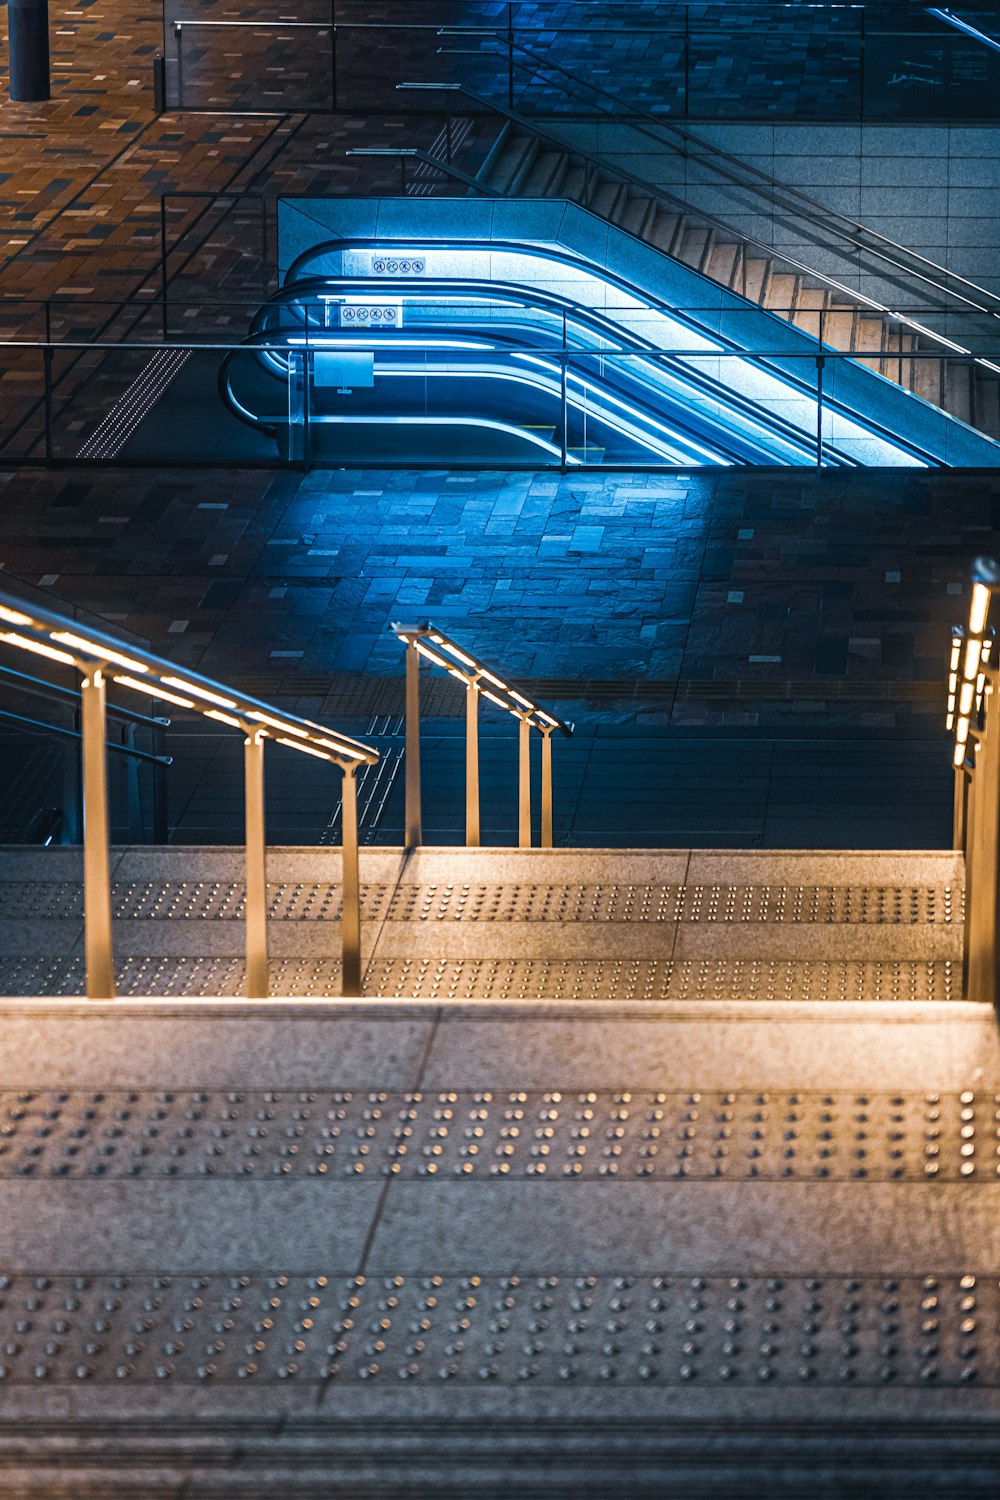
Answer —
649 1173
523 164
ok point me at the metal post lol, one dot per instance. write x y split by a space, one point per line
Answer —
256 867
413 818
334 103
159 84
28 35
687 62
546 788
350 888
960 810
524 785
472 833
96 842
510 56
981 910
307 385
178 36
159 791
163 265
47 373
265 269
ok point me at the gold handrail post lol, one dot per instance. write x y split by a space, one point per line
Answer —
983 860
472 830
524 784
256 866
350 888
960 807
96 840
414 831
546 788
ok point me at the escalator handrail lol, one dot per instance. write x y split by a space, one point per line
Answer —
289 292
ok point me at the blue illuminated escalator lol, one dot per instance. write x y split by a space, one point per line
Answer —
444 352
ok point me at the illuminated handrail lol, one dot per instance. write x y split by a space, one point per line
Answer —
101 658
425 642
973 716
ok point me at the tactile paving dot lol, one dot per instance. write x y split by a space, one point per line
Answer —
500 1134
618 902
689 980
588 1328
494 902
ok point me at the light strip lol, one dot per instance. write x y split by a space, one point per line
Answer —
273 723
116 658
306 749
213 713
199 692
978 608
342 750
430 655
494 699
14 616
39 647
154 690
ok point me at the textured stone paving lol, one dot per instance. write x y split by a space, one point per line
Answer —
518 1241
635 926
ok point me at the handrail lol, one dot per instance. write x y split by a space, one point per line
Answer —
99 657
406 153
974 718
41 727
654 190
425 641
749 170
52 691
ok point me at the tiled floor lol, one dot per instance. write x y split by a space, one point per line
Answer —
749 658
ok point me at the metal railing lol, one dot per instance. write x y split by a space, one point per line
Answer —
973 716
125 747
425 642
101 658
856 239
68 389
672 67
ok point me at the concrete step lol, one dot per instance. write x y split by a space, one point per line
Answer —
543 1250
685 925
664 230
511 167
545 174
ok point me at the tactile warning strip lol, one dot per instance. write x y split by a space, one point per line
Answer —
500 1134
513 902
674 980
791 1330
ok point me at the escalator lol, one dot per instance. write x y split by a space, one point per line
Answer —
443 352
